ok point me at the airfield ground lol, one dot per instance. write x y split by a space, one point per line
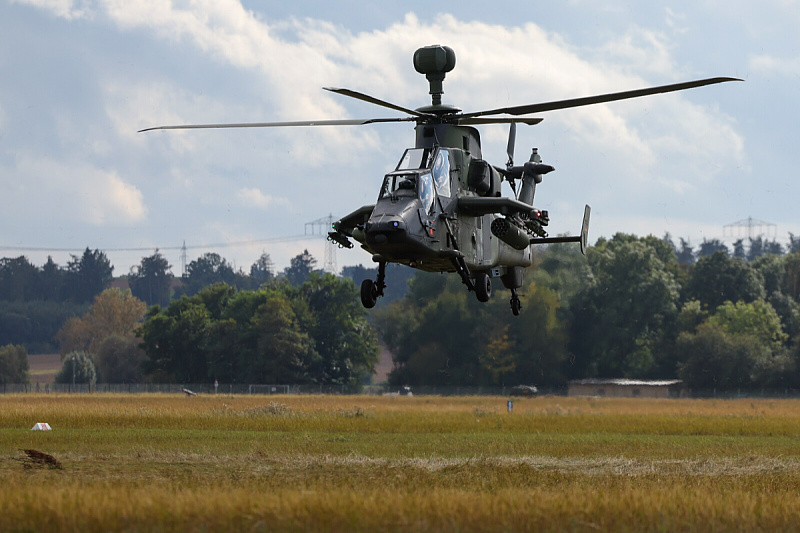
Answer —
361 463
44 367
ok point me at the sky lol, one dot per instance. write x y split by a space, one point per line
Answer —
81 77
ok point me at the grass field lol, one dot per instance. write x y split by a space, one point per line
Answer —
361 463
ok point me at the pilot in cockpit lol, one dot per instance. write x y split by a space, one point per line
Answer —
406 183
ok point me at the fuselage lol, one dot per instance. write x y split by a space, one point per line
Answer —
416 220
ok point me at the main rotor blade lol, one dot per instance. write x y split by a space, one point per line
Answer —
345 122
371 99
599 99
470 121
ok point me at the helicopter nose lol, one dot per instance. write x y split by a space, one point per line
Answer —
387 224
389 229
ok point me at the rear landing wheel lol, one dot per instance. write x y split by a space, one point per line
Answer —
483 286
369 293
516 304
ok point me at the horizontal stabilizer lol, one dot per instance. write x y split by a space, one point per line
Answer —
583 238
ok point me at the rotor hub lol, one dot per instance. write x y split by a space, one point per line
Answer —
440 109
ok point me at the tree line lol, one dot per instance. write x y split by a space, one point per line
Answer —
298 326
757 247
314 333
35 302
630 309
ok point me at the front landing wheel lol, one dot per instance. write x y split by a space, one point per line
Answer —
369 293
483 286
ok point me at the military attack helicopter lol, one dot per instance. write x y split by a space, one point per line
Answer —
441 208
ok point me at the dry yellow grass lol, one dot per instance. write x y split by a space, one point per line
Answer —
152 462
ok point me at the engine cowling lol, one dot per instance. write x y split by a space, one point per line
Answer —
483 178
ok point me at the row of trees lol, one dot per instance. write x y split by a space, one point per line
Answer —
13 364
36 301
441 335
153 282
628 310
314 333
87 275
102 343
758 247
641 314
83 278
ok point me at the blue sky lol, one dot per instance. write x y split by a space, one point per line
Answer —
81 77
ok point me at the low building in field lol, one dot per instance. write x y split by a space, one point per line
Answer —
628 388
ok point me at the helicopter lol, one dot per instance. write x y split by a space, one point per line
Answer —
441 209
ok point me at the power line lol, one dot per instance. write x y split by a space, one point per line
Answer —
150 248
747 226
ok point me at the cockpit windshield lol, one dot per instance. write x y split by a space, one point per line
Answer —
410 186
416 158
399 185
441 173
426 191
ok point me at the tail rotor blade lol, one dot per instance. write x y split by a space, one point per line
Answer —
512 139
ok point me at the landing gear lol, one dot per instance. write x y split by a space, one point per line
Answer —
371 290
463 271
516 304
483 286
369 293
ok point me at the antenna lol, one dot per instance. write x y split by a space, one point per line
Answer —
322 226
183 258
751 228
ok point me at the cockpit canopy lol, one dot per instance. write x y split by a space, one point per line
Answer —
409 185
416 158
436 160
399 185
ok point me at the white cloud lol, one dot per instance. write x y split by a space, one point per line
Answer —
656 224
221 27
115 200
642 51
769 64
72 192
661 140
676 20
494 66
253 197
66 9
137 105
274 70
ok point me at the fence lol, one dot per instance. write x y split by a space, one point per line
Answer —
262 389
166 388
246 388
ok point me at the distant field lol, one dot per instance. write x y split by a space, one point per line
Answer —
44 367
361 463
